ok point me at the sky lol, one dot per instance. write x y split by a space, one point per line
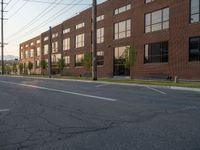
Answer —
29 18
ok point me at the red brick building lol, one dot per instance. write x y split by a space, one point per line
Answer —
164 33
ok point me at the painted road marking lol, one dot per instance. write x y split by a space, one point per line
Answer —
101 85
60 91
4 110
159 91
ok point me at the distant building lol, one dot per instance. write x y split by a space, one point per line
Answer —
165 34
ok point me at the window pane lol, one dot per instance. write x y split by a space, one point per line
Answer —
194 6
156 17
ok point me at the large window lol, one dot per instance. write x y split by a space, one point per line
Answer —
46 49
37 63
100 58
32 53
55 47
194 11
38 52
100 35
66 44
122 9
157 20
123 29
80 40
156 53
194 49
22 55
79 60
67 61
26 54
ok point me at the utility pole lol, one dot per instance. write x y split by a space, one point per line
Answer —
62 50
94 40
49 53
2 38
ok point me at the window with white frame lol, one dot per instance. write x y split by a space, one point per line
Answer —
38 51
100 58
46 49
67 60
38 41
37 63
81 25
32 53
54 47
46 38
22 55
100 35
122 29
80 40
148 1
79 60
157 20
54 35
100 18
66 30
26 53
66 44
122 9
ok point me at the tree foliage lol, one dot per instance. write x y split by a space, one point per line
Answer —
21 67
61 64
43 64
130 56
30 66
87 62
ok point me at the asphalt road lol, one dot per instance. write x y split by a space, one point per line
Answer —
39 114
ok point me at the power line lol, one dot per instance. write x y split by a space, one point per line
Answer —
57 3
7 4
18 10
35 19
52 17
14 4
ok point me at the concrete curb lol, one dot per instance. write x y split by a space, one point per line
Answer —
113 83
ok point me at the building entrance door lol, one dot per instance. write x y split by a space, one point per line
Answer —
119 62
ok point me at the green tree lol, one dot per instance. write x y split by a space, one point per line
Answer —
7 69
30 66
21 67
14 68
87 61
43 65
61 64
130 56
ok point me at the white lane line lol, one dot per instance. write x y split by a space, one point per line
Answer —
159 91
60 91
4 110
101 85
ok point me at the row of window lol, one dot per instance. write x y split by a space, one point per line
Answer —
153 53
158 52
79 58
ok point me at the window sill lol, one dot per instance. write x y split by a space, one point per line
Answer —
164 30
194 62
79 67
156 63
194 23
